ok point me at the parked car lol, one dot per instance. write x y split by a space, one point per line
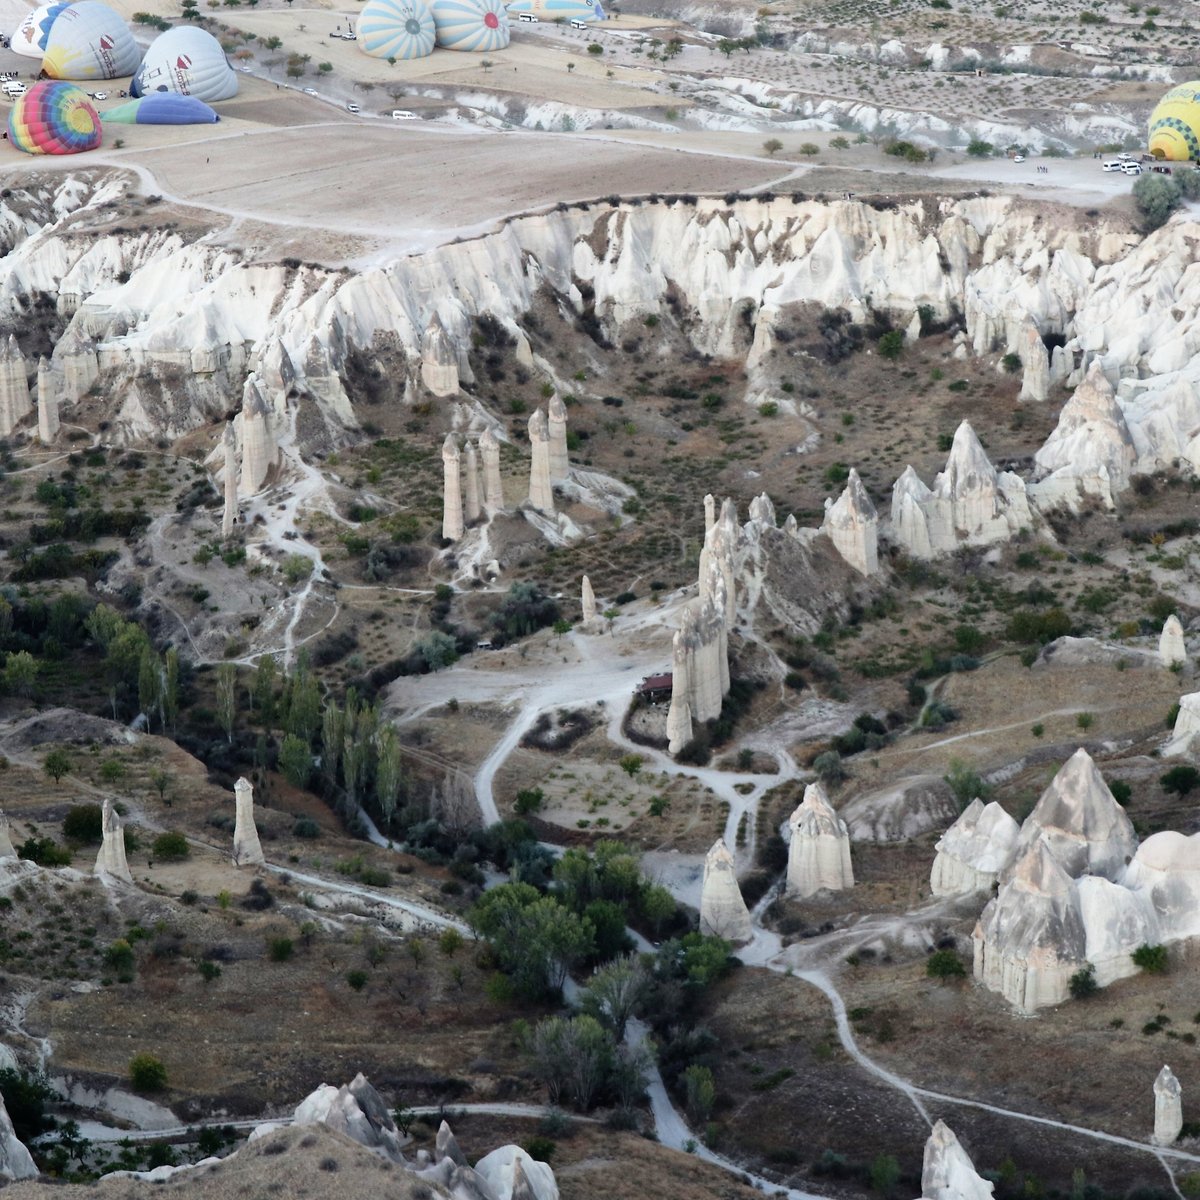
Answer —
1159 169
352 107
310 91
99 95
1018 158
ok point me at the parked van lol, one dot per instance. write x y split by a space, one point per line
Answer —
14 88
1112 165
1131 168
576 23
402 114
527 18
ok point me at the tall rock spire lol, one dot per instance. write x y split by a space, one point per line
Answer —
15 404
452 512
819 850
723 911
541 494
493 490
247 850
230 481
260 451
557 425
439 361
48 424
472 504
1168 1108
852 524
111 859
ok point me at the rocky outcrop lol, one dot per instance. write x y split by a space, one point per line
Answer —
47 404
717 560
260 450
1035 362
587 600
700 669
974 851
15 404
1172 650
229 512
851 523
452 510
111 859
1187 726
16 1163
493 489
1030 939
472 501
77 362
1081 823
6 846
818 847
1168 1108
541 493
1116 922
247 851
356 1110
947 1172
970 503
439 360
556 424
1090 452
723 912
1165 871
900 810
513 1174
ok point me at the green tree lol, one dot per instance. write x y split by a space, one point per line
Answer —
56 764
1083 983
296 761
772 146
389 773
150 685
171 847
333 737
891 345
1151 959
20 673
944 964
1155 197
701 1093
966 783
304 705
978 148
170 697
265 683
885 1175
227 698
1179 780
572 1055
615 992
437 650
147 1073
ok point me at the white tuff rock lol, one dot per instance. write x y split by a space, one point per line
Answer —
588 602
1035 359
260 451
229 513
357 1110
700 667
472 502
247 851
15 404
819 847
493 490
452 510
1166 872
723 912
439 362
6 846
851 523
47 403
541 494
16 1162
1084 827
111 859
1090 452
974 851
1168 1108
1187 726
75 356
556 423
513 1174
1172 650
947 1172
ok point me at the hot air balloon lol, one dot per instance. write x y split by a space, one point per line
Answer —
30 36
474 25
89 41
162 108
396 29
1175 124
189 61
54 118
559 10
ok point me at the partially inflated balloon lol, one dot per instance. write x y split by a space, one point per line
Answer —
161 108
1175 124
478 25
54 118
30 36
396 29
189 61
89 41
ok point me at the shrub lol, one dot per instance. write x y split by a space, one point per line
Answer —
280 949
119 958
306 828
891 345
944 964
528 800
83 823
1151 959
828 767
44 852
357 980
1180 780
147 1073
540 1148
1122 792
1083 983
171 847
208 970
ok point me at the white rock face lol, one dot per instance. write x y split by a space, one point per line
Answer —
1165 871
556 423
1116 922
1168 1108
902 809
541 494
974 851
1187 726
710 512
819 846
1035 359
947 1172
970 503
472 501
76 359
1085 829
439 361
587 601
717 560
229 513
723 912
513 1174
260 451
700 668
47 393
493 490
15 404
111 859
6 846
1030 939
452 510
247 850
852 524
356 1110
1090 452
16 1162
1172 650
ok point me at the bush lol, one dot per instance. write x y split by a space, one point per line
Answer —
528 800
171 847
280 949
944 964
1151 959
147 1073
1122 792
1156 197
44 852
84 823
306 828
1180 780
1083 983
978 148
357 980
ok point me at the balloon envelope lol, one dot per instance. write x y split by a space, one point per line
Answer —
161 108
474 25
559 10
189 61
89 41
396 29
30 36
1175 124
54 118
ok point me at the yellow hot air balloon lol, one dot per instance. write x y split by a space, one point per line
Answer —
1175 124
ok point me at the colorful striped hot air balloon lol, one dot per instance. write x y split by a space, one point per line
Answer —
396 29
90 41
480 26
1175 124
54 118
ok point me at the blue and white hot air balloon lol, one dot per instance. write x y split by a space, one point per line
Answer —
559 10
90 41
479 26
396 29
30 36
188 61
